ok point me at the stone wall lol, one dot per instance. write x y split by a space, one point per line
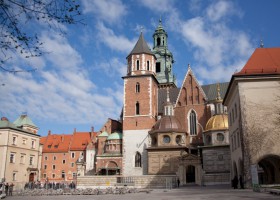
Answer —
147 181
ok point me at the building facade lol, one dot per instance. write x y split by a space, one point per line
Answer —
20 151
253 106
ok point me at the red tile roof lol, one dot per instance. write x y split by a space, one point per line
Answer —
262 61
80 141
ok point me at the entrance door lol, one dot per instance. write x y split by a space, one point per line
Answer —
31 177
190 174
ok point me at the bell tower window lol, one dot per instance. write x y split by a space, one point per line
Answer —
137 108
158 41
158 67
192 123
137 65
137 89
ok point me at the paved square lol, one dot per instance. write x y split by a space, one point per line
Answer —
193 193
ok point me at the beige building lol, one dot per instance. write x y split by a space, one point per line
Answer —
20 153
253 103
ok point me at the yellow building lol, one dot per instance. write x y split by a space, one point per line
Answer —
20 153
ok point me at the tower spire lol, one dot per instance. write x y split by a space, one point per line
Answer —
261 44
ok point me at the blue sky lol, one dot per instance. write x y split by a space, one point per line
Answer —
78 83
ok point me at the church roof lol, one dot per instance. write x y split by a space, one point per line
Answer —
262 61
211 90
115 136
141 46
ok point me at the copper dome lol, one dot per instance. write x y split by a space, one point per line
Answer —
167 124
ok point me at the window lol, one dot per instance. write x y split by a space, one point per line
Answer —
137 88
46 157
54 158
14 176
12 157
137 108
45 166
209 139
192 123
63 174
53 167
148 65
63 161
56 146
24 141
74 175
138 159
157 67
31 159
166 139
178 139
33 144
14 140
73 155
53 175
22 158
158 41
72 164
44 175
220 137
137 65
49 146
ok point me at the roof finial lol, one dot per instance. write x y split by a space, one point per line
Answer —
261 45
218 92
160 19
141 29
189 66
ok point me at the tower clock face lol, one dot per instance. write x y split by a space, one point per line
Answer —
166 139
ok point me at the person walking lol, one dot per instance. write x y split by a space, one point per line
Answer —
241 182
6 188
178 182
11 187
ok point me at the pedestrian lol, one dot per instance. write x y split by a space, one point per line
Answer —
235 182
178 182
6 188
11 187
241 182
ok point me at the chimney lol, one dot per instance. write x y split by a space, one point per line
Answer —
49 132
92 135
62 138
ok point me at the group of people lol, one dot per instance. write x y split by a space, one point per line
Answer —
49 185
235 181
7 189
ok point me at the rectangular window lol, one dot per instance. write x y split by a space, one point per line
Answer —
44 175
24 141
63 161
54 158
74 175
22 158
157 67
31 160
72 164
63 174
46 157
14 176
72 155
14 140
45 166
53 175
33 144
12 157
53 166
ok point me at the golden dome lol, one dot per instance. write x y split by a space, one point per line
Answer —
217 122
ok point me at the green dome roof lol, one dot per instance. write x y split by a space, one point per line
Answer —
115 136
103 134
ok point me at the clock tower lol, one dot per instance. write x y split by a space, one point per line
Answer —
140 107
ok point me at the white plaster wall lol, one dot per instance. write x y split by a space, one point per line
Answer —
133 141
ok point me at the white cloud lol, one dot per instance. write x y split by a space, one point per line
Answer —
110 11
158 5
114 42
112 67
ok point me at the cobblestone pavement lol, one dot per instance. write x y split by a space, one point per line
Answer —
193 193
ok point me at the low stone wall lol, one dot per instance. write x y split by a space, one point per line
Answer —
145 181
216 179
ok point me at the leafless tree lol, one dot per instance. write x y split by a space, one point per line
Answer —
18 20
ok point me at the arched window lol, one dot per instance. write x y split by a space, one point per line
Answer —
137 88
148 65
158 41
137 65
138 159
192 123
137 108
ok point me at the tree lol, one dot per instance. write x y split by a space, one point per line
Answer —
18 18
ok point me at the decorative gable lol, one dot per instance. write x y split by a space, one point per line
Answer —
191 92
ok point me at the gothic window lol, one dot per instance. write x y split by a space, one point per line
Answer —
192 123
137 65
158 41
157 67
148 65
137 108
137 89
138 159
